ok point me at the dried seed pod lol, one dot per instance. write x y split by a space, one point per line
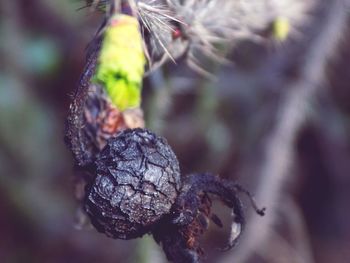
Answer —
137 182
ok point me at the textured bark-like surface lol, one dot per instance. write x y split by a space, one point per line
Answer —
75 137
180 240
180 233
137 182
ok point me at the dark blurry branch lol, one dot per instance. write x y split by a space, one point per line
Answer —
297 224
11 57
293 111
297 248
160 102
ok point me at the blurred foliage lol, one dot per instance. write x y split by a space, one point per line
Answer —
214 125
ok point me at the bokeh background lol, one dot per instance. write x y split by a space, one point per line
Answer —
277 120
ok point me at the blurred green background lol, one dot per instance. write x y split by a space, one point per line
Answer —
218 126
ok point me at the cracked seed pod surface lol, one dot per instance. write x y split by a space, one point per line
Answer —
137 182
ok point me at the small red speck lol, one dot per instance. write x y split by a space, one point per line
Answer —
177 33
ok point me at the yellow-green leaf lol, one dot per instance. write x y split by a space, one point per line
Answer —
121 62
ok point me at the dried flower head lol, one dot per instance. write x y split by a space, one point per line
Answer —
209 28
